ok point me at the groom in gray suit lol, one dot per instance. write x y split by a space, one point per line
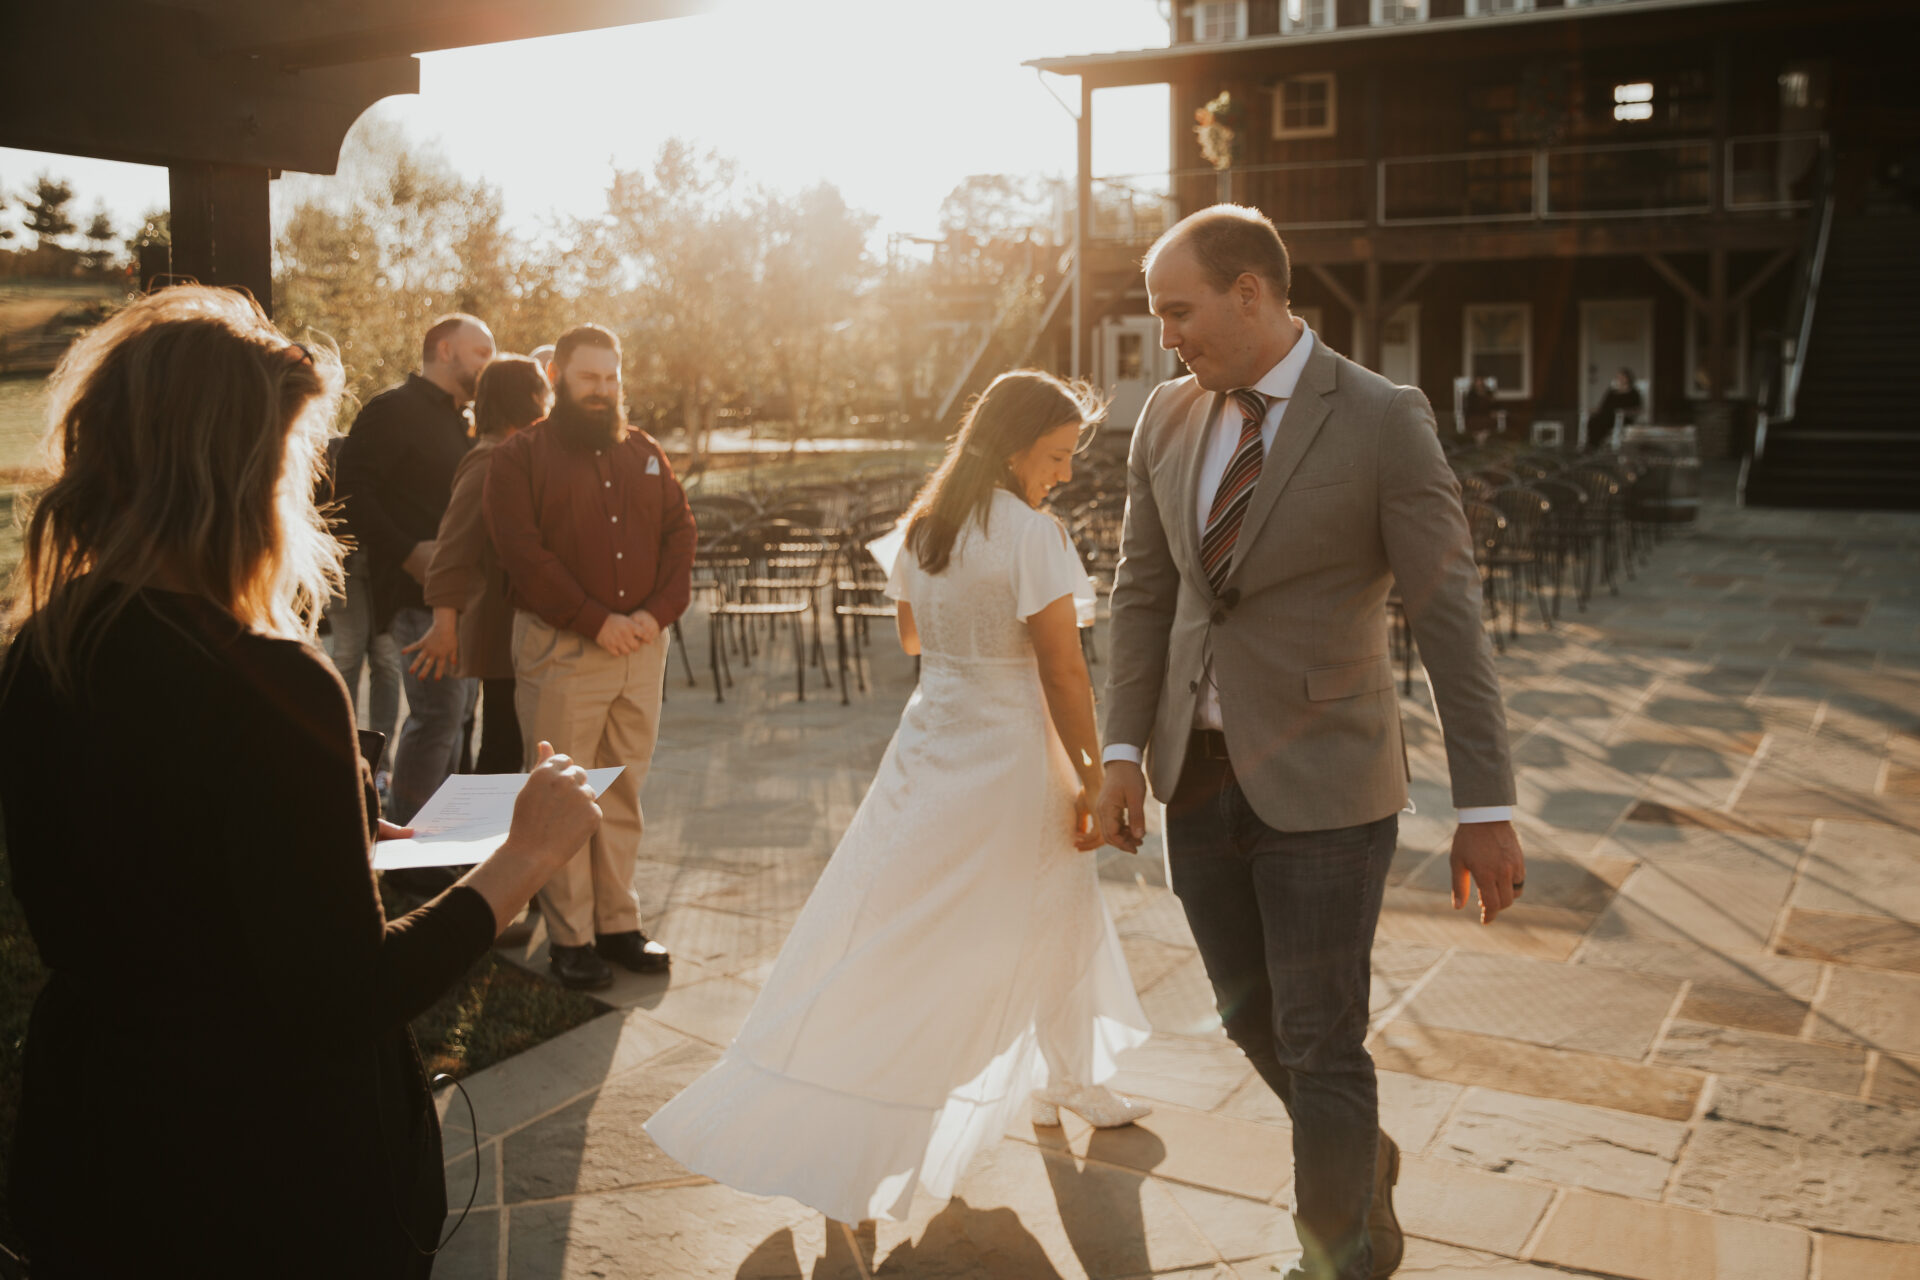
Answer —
1275 497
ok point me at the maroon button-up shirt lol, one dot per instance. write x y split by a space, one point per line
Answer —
583 533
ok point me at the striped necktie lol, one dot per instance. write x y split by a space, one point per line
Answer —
1235 492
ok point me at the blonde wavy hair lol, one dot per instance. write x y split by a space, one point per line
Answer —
187 435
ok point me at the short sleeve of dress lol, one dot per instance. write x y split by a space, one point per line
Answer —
1045 568
890 552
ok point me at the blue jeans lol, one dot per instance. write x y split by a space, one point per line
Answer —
352 644
1284 922
437 715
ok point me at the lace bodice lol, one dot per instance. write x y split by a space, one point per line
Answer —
977 607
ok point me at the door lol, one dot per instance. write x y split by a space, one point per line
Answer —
1398 360
1131 365
1400 347
1615 335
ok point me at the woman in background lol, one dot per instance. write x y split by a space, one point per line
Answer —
178 760
472 632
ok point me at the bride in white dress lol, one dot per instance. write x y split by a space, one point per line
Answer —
956 957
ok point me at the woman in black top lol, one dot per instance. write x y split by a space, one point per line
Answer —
218 1076
1622 396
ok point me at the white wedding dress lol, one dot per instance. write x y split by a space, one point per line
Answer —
956 953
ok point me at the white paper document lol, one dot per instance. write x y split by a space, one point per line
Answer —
466 820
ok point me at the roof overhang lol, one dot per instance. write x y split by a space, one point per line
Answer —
267 83
1492 35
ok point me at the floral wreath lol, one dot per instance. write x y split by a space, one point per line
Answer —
1214 125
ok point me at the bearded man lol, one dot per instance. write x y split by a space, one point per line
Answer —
597 541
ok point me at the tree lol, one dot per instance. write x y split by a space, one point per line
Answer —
814 274
679 243
46 210
999 206
156 228
98 254
368 259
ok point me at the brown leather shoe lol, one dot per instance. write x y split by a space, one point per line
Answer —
1383 1225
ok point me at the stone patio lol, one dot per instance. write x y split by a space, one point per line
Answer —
1693 1054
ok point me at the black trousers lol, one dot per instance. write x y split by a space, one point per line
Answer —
501 750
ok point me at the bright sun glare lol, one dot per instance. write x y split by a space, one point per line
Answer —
894 101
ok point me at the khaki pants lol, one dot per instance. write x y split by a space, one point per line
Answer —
602 710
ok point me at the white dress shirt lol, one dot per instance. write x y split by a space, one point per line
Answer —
1223 441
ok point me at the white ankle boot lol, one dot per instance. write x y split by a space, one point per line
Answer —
1098 1105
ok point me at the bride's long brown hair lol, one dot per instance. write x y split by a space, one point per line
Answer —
1014 411
188 435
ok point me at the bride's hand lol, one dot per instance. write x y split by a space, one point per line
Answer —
1086 831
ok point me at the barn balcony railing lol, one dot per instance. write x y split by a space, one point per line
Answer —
1753 173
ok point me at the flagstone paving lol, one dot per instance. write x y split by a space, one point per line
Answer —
1693 1054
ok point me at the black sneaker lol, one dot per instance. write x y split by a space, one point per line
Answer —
634 950
579 969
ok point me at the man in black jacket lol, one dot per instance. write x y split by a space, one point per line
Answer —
396 474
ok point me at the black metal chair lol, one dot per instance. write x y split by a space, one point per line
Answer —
782 580
1488 529
1526 548
1604 522
1570 537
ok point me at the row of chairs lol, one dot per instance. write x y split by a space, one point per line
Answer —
775 574
1539 522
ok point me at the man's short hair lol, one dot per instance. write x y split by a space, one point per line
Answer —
1230 240
442 329
583 335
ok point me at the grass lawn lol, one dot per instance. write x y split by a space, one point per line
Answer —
495 1012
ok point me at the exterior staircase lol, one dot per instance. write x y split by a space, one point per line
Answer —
1853 441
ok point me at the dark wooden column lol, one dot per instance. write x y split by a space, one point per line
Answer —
1716 323
223 226
1368 352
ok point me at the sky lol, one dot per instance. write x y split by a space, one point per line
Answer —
894 101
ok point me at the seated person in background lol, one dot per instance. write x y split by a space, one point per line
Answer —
1622 397
174 751
1480 408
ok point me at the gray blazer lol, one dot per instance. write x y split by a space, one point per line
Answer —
1355 495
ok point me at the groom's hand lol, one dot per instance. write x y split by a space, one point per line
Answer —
1122 808
1487 854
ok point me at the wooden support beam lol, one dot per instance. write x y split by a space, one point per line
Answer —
1681 284
1331 283
1404 294
1768 269
1512 242
222 227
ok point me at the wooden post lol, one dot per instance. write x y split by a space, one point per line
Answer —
1722 113
1368 352
1374 212
1716 323
222 226
1082 226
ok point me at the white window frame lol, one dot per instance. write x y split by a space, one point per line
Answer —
1488 8
1379 18
1737 384
1327 130
1525 390
1304 25
1205 9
